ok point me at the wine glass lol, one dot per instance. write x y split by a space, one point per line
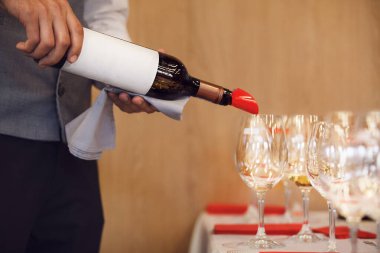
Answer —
346 158
373 122
344 119
260 160
315 170
298 130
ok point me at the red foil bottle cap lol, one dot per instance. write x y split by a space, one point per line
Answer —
244 101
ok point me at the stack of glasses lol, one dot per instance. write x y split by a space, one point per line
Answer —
338 155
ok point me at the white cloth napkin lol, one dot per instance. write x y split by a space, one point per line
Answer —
89 134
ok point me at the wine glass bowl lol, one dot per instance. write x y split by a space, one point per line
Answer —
357 168
261 156
324 156
258 159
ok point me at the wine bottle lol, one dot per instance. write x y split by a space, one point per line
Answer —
147 72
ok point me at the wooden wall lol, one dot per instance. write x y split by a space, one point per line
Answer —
295 56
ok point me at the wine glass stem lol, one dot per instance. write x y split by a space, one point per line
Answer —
305 206
378 235
332 215
354 236
288 193
260 205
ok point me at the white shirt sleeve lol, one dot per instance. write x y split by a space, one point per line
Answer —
108 17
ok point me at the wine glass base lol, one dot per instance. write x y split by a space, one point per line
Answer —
256 243
264 243
332 246
332 250
307 237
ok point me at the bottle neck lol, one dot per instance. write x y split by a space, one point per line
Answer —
212 92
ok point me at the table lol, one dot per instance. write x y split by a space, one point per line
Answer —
204 241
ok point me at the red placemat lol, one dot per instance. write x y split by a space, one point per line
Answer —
251 229
221 208
341 232
292 252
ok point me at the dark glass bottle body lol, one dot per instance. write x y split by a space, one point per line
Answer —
173 81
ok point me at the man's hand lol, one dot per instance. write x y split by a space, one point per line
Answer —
131 105
52 29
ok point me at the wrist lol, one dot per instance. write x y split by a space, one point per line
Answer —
4 3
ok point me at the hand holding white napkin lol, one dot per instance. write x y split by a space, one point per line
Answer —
89 134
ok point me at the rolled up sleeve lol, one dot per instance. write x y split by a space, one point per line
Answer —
107 16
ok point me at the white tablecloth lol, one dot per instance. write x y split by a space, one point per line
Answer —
204 241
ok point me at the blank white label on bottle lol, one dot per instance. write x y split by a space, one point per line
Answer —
115 62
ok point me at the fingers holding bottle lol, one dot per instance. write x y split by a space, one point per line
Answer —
68 34
52 29
130 104
76 36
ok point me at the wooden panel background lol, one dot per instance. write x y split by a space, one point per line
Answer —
295 56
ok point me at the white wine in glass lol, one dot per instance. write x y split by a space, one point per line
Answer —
300 180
